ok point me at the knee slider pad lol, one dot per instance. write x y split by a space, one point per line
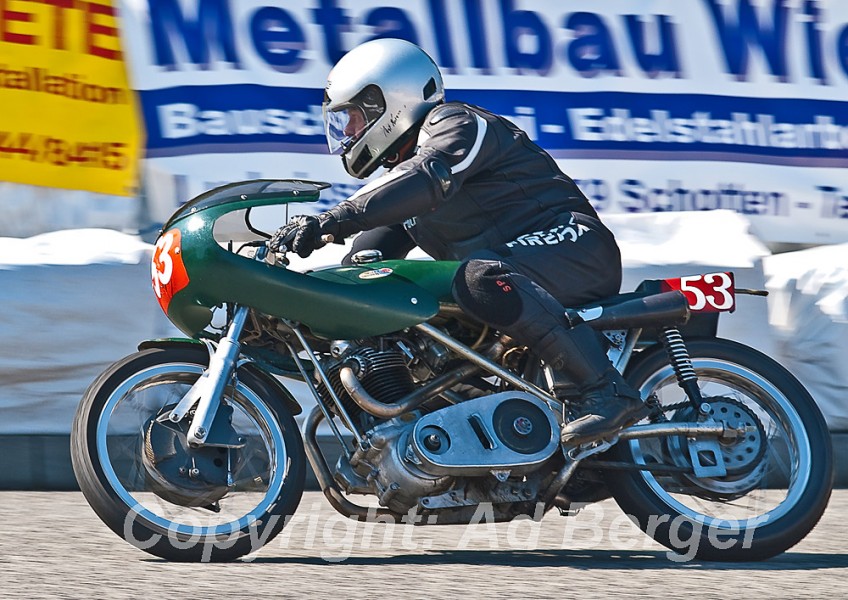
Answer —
485 290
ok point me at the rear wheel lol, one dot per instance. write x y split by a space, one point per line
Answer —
176 502
779 474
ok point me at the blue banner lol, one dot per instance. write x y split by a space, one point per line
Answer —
568 124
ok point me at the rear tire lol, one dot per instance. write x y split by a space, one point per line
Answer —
797 455
105 453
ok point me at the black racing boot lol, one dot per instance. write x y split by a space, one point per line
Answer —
607 403
606 407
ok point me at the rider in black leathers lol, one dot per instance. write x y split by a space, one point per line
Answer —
465 184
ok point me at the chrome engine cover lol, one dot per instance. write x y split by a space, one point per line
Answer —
385 467
413 457
508 431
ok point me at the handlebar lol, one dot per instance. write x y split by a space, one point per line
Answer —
264 252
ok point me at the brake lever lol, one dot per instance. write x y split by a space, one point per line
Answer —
325 239
288 238
274 258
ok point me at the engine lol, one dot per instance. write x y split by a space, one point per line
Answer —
388 372
383 374
414 457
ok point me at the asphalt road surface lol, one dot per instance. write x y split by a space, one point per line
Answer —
52 545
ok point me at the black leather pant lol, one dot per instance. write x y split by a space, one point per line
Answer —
522 286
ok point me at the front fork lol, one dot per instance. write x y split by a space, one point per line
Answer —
207 428
206 393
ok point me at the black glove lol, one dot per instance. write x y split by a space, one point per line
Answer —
302 235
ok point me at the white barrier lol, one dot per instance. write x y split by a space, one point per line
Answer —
72 302
808 310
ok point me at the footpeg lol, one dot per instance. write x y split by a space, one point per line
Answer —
586 450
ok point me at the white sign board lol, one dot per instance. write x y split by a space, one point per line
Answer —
652 106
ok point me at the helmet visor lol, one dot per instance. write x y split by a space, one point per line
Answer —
343 127
346 124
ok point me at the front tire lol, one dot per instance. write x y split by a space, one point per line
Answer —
108 441
770 501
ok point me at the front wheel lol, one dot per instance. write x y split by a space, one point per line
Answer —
160 494
779 474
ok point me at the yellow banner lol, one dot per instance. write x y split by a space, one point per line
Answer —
68 117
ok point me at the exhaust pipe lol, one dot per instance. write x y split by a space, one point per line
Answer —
667 308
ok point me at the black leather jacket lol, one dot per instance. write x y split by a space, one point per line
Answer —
476 181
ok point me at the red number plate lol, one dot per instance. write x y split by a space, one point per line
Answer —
167 269
712 292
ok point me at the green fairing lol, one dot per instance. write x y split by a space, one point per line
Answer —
336 303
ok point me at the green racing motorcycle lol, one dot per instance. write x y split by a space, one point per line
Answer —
190 450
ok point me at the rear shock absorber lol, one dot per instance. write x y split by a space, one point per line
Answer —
678 356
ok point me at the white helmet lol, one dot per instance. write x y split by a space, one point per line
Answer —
375 95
